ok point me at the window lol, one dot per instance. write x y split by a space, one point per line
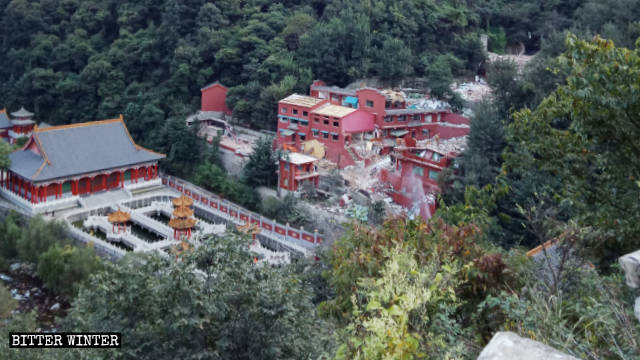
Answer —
418 171
388 118
436 156
295 111
439 117
315 132
326 121
325 135
299 167
286 182
283 119
433 175
334 136
402 118
303 136
286 166
369 103
425 132
387 104
316 119
304 113
335 98
385 132
304 122
336 124
294 121
416 117
283 110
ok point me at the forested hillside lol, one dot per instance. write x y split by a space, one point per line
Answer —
74 61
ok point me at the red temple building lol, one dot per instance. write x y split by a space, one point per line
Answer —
336 117
67 161
303 118
21 125
413 182
214 98
296 169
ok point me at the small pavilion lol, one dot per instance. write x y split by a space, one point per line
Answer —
120 219
182 220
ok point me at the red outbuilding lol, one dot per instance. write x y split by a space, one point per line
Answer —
214 98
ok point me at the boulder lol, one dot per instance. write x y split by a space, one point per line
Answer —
6 278
55 307
636 309
630 264
506 345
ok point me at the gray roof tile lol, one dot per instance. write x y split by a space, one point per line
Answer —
79 149
4 120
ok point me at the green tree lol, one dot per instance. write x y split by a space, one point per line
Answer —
37 236
213 303
260 169
5 150
585 136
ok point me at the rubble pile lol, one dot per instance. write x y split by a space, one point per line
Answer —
427 104
456 145
520 60
473 91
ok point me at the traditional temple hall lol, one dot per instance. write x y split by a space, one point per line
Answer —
70 160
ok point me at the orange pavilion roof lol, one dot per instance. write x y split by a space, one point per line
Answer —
119 217
182 212
182 224
182 201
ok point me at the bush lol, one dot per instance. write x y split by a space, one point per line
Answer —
7 303
38 236
10 231
63 269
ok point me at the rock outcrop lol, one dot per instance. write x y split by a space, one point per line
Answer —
630 264
506 345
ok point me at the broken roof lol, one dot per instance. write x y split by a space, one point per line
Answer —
298 158
4 119
301 100
334 110
68 150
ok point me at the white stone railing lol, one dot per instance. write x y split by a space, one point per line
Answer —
49 205
143 184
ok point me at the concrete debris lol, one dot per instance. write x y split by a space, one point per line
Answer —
6 278
520 60
427 104
506 345
453 145
16 295
473 91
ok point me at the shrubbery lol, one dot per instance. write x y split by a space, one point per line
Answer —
63 268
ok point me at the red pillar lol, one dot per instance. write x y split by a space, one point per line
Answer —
60 190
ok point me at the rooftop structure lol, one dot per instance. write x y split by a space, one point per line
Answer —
296 169
334 110
301 100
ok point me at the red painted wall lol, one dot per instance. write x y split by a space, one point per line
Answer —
214 98
378 103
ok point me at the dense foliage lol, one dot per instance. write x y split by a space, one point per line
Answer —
209 304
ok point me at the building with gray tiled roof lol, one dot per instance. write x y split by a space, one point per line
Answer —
78 159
